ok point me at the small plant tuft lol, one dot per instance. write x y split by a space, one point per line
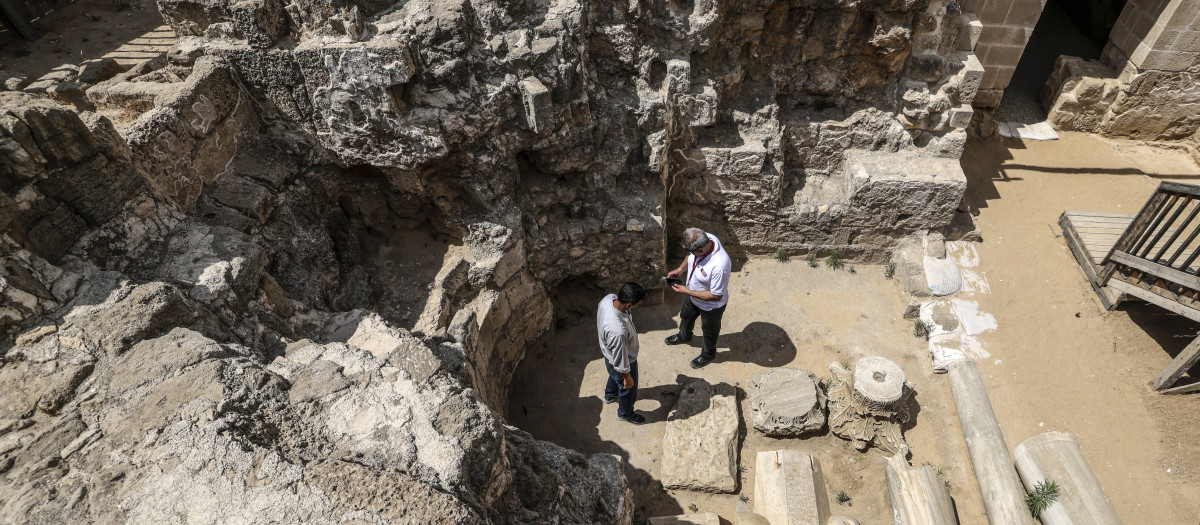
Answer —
852 270
844 499
824 386
1043 495
835 259
741 468
781 255
692 507
889 270
743 498
812 259
920 329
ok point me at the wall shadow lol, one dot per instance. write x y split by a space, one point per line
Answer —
554 399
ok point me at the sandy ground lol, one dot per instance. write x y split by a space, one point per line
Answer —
129 31
1057 360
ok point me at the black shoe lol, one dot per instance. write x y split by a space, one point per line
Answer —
609 400
701 361
636 419
676 340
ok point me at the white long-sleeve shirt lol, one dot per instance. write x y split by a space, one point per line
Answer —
617 334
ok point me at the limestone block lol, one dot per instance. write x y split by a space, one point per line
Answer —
786 402
789 488
697 109
841 520
261 22
699 518
968 36
99 70
902 190
679 76
960 117
969 78
700 443
535 99
12 81
351 88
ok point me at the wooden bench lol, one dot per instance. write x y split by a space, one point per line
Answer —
1151 255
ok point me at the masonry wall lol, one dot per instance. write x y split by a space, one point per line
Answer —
1007 26
1147 83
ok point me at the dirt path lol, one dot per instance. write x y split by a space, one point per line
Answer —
1057 361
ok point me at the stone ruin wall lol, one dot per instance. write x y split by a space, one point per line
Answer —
1146 84
211 260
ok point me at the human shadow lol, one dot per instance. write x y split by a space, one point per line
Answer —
761 343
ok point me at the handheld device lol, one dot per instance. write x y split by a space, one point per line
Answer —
673 282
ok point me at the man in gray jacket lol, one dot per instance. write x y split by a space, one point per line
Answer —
619 344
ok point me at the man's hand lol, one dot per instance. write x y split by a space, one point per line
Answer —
628 381
679 288
674 274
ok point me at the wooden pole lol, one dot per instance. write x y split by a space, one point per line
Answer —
1056 456
1003 495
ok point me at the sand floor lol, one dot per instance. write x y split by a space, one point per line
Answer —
1057 360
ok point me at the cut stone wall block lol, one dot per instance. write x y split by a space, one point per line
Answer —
679 76
902 190
535 98
968 35
960 117
789 488
786 402
700 443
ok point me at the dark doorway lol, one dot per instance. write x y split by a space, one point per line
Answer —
1067 27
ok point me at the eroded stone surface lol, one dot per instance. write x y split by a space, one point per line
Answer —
869 405
789 488
700 443
786 402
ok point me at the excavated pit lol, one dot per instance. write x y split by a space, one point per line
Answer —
312 244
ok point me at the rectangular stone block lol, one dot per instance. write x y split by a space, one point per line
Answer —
535 99
1002 34
700 443
1024 13
789 488
1170 60
972 76
988 98
993 12
902 190
960 117
968 36
1004 55
699 518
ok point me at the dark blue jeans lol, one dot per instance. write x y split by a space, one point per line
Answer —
710 324
615 388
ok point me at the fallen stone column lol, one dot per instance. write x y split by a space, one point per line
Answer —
699 518
1056 456
918 496
1003 496
789 488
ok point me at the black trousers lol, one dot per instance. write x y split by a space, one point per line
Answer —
615 388
710 324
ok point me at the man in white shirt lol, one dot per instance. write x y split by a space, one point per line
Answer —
619 344
706 291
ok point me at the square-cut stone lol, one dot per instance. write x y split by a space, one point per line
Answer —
700 444
699 518
789 488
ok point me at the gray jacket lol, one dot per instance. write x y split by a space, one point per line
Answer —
618 336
